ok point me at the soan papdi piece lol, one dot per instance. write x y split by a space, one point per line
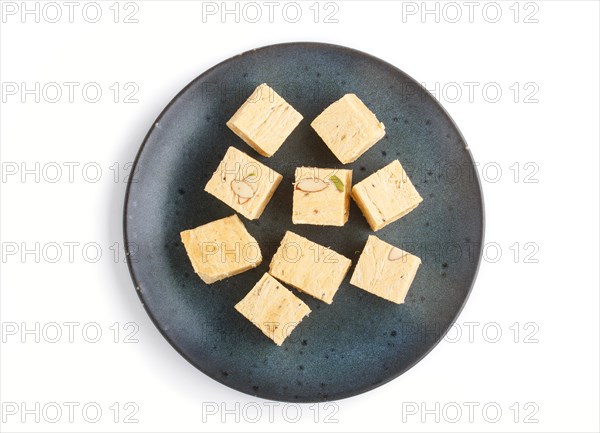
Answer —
385 271
309 267
386 195
243 183
348 128
321 196
264 121
273 309
221 249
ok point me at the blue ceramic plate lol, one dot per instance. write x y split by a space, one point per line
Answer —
360 341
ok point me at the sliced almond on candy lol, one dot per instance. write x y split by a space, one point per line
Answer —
242 189
311 185
395 254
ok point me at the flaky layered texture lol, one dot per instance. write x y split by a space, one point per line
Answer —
386 195
348 128
243 183
221 249
273 309
308 266
264 121
385 270
317 197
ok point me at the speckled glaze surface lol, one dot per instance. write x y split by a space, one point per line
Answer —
360 341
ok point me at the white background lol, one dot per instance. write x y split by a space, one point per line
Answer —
543 377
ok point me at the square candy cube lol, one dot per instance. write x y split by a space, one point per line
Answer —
386 195
385 271
273 309
308 266
348 128
243 183
321 196
221 249
264 121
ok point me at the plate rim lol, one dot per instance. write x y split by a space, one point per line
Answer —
139 291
